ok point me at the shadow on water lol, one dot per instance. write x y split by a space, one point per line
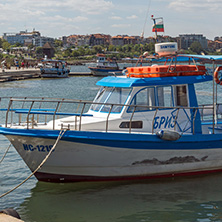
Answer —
178 199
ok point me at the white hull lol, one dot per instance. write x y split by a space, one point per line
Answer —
71 160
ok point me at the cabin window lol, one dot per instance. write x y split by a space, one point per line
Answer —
144 100
134 125
181 95
112 96
118 96
101 98
164 94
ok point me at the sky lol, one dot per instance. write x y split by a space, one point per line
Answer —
56 18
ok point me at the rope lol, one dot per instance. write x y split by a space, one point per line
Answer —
47 156
5 153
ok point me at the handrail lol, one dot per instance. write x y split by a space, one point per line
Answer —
194 118
55 112
108 117
131 118
29 114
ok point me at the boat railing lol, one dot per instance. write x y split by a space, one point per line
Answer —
33 106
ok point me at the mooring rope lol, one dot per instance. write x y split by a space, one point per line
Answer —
5 153
47 156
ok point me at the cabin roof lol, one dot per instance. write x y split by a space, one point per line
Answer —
124 82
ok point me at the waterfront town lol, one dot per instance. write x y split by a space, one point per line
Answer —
29 47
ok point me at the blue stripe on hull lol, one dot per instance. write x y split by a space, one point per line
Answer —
125 140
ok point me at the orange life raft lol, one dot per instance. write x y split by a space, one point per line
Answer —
165 70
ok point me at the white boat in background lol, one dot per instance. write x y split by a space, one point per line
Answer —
54 69
144 124
105 66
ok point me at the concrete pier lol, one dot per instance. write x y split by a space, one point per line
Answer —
80 74
30 73
18 74
7 218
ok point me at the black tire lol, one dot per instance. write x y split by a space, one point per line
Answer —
11 212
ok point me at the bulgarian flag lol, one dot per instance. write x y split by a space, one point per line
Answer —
158 27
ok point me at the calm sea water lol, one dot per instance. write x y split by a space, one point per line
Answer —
178 199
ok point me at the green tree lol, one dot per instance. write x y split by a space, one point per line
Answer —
58 43
67 52
196 47
98 48
75 53
39 51
6 46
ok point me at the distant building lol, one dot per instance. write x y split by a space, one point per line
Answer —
40 41
99 39
215 45
48 50
21 37
117 40
184 41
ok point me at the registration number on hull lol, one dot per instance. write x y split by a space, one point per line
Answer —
39 148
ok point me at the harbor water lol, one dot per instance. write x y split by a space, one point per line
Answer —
197 198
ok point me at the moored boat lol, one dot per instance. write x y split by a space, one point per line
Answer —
105 66
137 127
54 69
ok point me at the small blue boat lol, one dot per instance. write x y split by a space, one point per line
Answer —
144 124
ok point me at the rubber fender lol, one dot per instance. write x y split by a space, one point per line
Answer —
168 135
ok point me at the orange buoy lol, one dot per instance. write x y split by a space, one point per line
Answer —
218 79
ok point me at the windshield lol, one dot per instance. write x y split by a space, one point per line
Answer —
110 95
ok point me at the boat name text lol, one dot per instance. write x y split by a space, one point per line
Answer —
164 122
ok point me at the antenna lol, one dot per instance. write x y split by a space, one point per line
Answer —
148 9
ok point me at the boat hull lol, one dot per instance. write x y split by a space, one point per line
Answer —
86 156
103 71
54 73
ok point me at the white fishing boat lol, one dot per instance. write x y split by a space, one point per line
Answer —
105 66
54 69
144 124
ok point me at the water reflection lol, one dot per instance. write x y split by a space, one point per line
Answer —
180 199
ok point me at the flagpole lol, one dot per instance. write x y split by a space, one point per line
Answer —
154 21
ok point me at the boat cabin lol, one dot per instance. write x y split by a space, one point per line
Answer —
151 103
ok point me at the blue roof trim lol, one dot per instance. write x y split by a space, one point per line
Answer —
202 57
112 81
187 57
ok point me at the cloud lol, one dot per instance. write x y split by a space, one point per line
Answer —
120 25
30 13
83 6
115 18
200 5
132 17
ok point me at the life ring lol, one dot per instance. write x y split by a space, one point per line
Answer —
217 76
